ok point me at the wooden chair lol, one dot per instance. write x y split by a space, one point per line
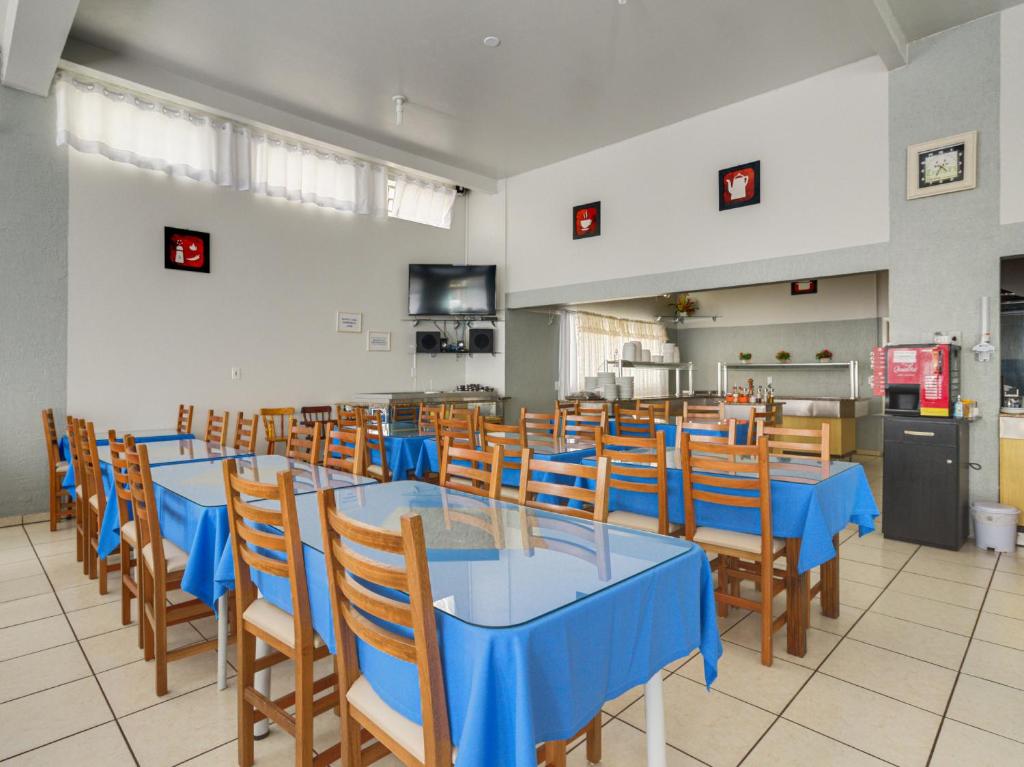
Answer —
512 439
345 450
374 439
540 424
96 505
590 407
275 425
303 442
639 465
405 412
579 501
695 413
658 409
709 470
311 414
811 446
266 539
429 415
246 432
348 419
724 433
460 432
567 406
184 424
61 504
630 422
80 501
587 426
465 413
128 525
162 567
477 472
217 428
362 709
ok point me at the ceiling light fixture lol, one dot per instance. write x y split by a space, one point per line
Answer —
399 108
492 41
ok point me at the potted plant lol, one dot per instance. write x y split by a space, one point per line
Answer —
823 356
745 357
783 356
685 306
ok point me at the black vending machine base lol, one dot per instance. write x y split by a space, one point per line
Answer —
925 482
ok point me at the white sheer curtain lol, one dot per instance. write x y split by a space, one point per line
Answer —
588 341
136 129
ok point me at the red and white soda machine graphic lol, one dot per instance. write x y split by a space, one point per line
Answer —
920 379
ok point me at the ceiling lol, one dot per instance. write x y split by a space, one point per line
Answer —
568 77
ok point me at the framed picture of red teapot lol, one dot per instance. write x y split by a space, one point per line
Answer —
186 250
739 186
586 221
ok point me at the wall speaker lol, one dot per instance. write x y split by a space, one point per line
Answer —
428 341
481 340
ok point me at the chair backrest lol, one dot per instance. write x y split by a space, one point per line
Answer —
770 414
693 413
347 419
405 412
807 444
246 431
345 450
140 483
658 409
585 425
266 538
310 414
634 422
375 445
76 454
460 431
429 416
303 442
592 406
477 472
465 413
184 425
50 435
119 470
352 602
567 406
275 422
538 486
639 465
217 427
512 439
539 424
92 477
713 473
724 432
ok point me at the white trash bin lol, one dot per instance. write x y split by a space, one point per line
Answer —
995 526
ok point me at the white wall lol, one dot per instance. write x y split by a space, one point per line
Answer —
1011 116
823 147
279 273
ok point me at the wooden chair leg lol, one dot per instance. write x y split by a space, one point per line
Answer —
54 502
246 712
145 611
594 739
554 753
160 639
304 712
767 650
830 584
126 594
723 584
796 601
102 569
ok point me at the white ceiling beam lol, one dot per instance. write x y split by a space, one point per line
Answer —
883 30
33 38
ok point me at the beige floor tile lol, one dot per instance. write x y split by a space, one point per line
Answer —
875 540
17 554
37 671
116 648
13 537
625 746
997 664
938 568
64 546
101 746
999 629
747 633
10 520
39 516
207 715
86 594
859 595
942 591
912 681
886 728
65 572
278 748
33 721
1010 582
1012 563
694 716
617 705
28 609
1005 603
928 612
24 587
960 745
32 637
943 648
988 705
678 663
741 675
968 555
41 533
789 745
848 615
860 572
132 687
100 619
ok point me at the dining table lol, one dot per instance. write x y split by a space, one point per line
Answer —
541 617
549 448
403 442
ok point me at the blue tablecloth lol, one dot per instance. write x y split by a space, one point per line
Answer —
64 447
403 454
428 461
512 687
812 513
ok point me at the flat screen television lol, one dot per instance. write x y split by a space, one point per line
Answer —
439 289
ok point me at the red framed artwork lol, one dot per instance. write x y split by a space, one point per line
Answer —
739 186
586 221
186 250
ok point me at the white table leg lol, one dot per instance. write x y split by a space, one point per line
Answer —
262 684
222 642
654 705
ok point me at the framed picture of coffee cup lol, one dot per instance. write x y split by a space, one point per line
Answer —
739 186
586 221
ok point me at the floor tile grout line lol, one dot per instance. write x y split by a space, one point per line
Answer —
640 729
45 689
58 740
982 729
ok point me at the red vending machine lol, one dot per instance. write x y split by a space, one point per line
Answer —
922 379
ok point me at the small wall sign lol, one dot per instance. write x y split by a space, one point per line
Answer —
378 341
803 287
186 250
739 186
586 221
944 165
350 322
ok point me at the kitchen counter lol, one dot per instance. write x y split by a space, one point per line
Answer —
1011 461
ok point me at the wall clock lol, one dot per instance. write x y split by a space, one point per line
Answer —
945 165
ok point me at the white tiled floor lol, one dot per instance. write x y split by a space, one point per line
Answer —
925 665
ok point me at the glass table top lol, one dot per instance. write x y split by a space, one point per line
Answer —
497 564
558 445
179 451
202 482
804 470
406 429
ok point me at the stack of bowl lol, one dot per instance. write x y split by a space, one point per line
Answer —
625 386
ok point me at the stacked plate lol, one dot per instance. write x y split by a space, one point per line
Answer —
610 392
625 386
590 383
603 379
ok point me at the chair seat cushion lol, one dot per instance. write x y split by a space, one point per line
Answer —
405 732
128 534
174 557
78 491
637 521
94 502
62 467
727 539
375 470
510 494
275 621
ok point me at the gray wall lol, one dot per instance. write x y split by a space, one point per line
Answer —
531 362
33 294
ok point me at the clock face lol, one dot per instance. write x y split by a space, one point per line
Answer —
941 166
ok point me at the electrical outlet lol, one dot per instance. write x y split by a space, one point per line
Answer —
236 374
